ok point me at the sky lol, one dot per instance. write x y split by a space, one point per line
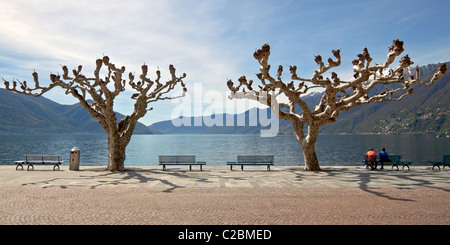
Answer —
210 40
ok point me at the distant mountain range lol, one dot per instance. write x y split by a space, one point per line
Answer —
230 124
22 114
427 111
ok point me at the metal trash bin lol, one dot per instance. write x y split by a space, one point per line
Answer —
74 159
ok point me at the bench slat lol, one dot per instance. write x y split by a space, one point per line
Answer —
255 159
42 158
177 159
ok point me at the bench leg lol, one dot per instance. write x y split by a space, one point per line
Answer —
242 167
32 167
18 166
395 165
231 167
406 166
164 167
268 167
56 166
190 167
201 168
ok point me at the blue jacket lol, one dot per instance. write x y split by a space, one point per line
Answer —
383 156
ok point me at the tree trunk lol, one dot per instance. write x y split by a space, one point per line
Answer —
308 145
310 157
116 153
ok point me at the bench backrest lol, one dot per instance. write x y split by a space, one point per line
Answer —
255 159
395 158
446 158
176 159
42 158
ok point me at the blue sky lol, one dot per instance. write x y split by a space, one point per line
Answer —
211 41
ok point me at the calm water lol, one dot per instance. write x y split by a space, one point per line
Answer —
144 150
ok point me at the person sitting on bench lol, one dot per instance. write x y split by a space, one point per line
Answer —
371 157
382 157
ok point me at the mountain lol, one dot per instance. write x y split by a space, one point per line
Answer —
22 114
427 111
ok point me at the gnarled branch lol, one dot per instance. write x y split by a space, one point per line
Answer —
338 95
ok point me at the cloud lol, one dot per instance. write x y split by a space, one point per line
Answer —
42 35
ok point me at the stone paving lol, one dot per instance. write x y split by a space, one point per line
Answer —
216 195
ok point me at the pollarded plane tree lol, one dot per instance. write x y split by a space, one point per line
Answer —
96 94
337 96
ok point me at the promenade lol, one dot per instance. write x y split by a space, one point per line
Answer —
217 196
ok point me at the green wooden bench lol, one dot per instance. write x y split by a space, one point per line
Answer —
445 162
394 160
39 159
253 160
180 160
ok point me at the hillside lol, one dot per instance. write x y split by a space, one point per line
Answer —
427 111
22 114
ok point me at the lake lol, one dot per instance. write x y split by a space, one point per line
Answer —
216 150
